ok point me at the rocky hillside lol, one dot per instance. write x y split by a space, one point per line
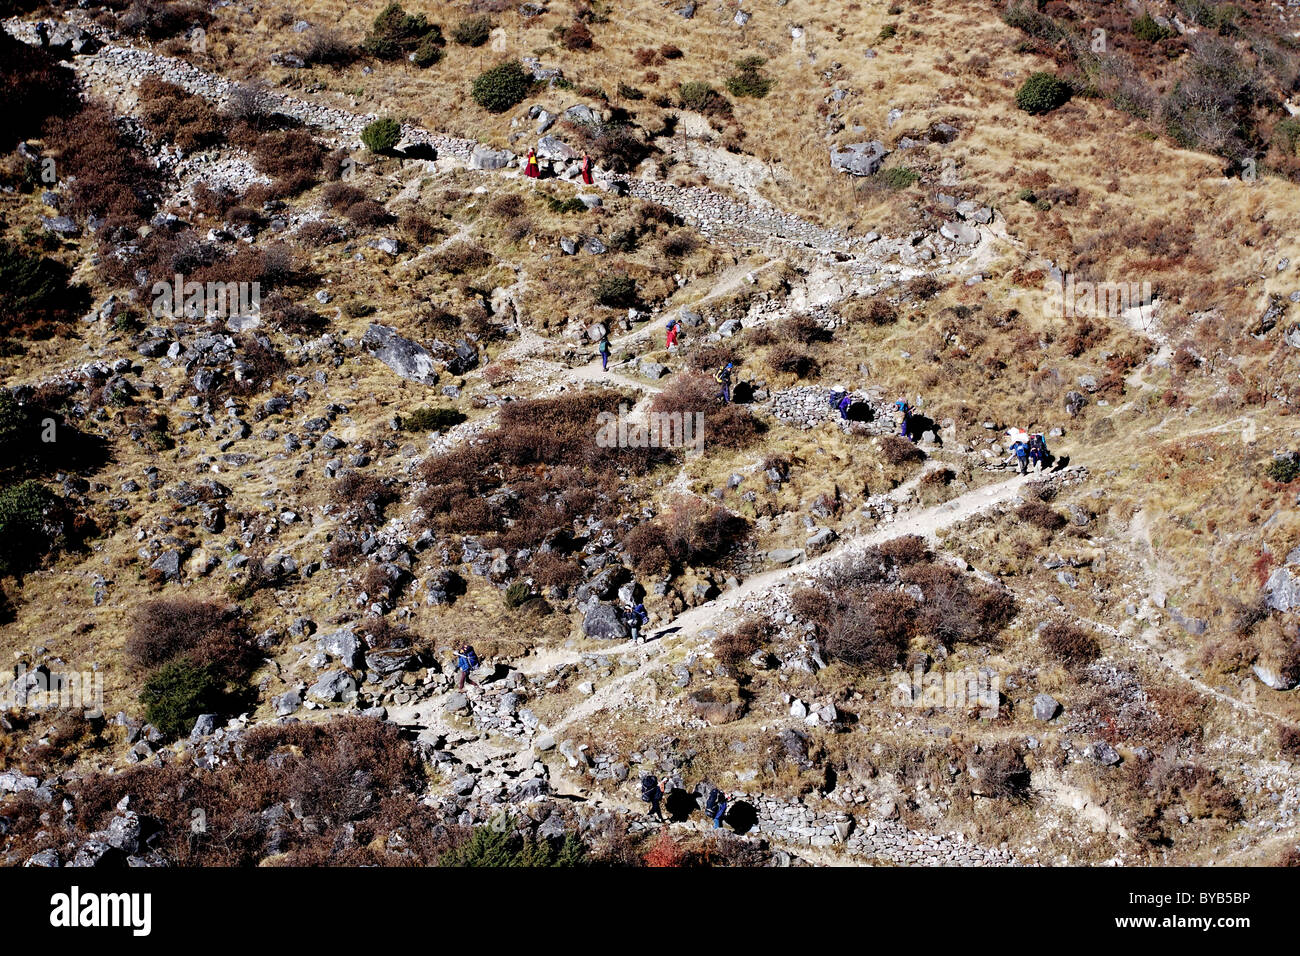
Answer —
302 391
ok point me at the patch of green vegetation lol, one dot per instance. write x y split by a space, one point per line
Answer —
750 80
381 135
31 526
1042 93
499 845
176 695
1148 31
430 419
898 177
500 87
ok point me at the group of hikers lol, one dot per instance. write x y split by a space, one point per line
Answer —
653 791
1028 450
533 169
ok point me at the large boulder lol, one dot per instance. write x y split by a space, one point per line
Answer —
859 159
1283 589
343 645
604 623
548 147
484 158
408 359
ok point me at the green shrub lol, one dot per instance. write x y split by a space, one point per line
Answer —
31 526
36 292
517 594
616 290
499 88
1285 468
887 32
629 92
1286 134
1027 195
177 693
750 80
381 135
702 98
1042 93
395 33
473 31
500 846
427 54
430 419
898 177
567 205
1148 31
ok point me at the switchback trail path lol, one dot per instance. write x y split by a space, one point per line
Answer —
690 623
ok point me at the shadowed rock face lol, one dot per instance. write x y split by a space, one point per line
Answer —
408 359
860 159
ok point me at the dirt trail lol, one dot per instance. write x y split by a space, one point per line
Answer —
691 622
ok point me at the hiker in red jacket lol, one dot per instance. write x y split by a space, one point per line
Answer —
586 169
672 334
531 169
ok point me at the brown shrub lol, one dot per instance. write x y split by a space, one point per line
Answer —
897 450
1069 644
999 771
870 632
734 647
106 174
788 359
461 257
1041 516
689 533
34 86
293 317
363 494
876 311
179 117
203 632
725 425
953 608
549 569
339 196
367 214
421 230
906 550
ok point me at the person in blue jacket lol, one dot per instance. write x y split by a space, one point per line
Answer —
1021 451
466 661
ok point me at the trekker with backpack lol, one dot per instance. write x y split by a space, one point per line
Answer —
1038 453
903 416
716 807
672 334
652 793
1020 450
603 348
466 661
723 377
634 617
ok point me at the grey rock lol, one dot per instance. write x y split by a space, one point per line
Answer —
859 159
604 622
1045 707
408 359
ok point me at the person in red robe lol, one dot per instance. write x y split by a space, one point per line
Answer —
531 170
586 169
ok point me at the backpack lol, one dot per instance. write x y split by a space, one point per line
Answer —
642 614
711 804
902 408
721 375
671 323
649 788
471 657
603 346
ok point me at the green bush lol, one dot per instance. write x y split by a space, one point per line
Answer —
31 526
499 88
898 177
616 290
395 33
35 291
517 594
568 205
177 693
492 846
427 54
1287 134
430 419
1042 93
1285 468
381 135
887 32
473 31
1148 31
750 80
702 98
